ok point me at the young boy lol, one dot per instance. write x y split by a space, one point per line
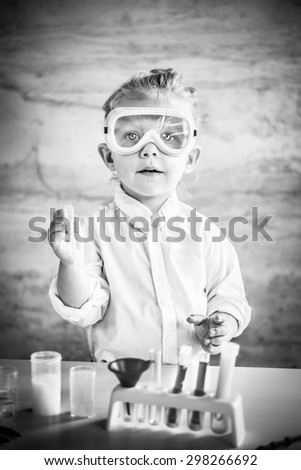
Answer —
153 261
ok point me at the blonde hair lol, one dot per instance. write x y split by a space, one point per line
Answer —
156 80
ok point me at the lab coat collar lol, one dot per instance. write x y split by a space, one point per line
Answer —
132 208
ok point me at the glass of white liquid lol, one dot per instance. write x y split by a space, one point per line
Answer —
46 383
82 391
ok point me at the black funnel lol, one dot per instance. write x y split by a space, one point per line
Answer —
128 370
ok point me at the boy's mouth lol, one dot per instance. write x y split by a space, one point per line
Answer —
150 170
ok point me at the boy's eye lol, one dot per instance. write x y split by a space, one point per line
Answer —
168 137
132 136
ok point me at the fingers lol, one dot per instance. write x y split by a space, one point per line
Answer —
56 235
212 331
69 214
211 349
196 320
58 217
213 345
65 214
62 225
218 340
217 331
57 229
218 318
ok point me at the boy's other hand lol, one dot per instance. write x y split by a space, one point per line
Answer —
62 239
212 331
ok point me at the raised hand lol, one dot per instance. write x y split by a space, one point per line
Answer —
61 237
212 331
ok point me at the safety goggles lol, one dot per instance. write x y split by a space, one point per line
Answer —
128 130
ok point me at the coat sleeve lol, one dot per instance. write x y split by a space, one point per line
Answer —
99 291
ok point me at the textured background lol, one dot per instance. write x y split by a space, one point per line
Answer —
59 62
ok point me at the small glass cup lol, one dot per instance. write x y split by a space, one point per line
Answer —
46 383
82 391
8 391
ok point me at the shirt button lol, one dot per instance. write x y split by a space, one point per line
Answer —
163 302
169 339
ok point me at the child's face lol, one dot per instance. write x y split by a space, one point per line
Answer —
149 172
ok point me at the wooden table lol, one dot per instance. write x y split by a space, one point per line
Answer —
271 400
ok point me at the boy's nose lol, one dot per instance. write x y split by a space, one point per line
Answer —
149 150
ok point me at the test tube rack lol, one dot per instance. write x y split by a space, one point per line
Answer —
142 397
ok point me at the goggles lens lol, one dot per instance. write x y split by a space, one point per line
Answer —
172 131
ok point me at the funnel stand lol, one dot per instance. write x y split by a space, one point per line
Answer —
230 408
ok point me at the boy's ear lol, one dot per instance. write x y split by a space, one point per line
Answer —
193 159
106 156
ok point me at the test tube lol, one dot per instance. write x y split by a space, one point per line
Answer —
153 383
173 414
155 411
196 418
229 352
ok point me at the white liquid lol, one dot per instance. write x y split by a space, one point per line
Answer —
46 394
